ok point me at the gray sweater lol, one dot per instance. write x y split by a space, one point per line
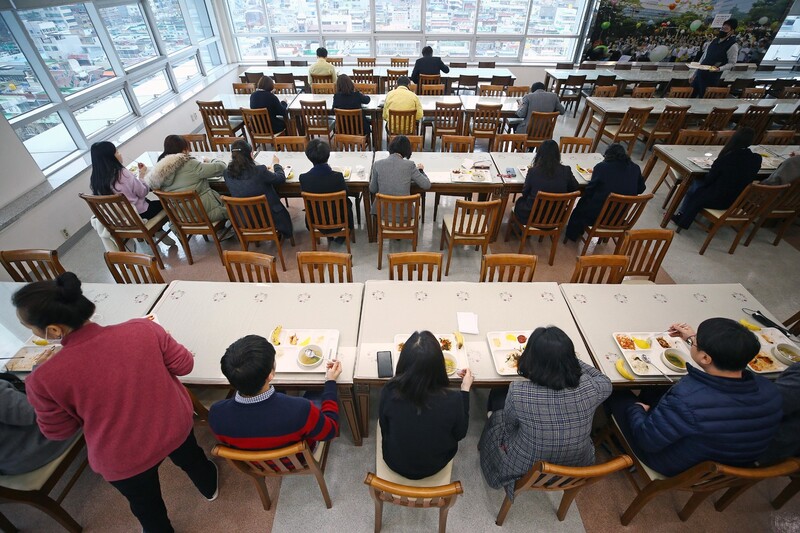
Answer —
393 177
23 448
786 173
542 102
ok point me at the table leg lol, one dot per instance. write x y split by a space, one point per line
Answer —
199 409
583 117
677 198
599 133
371 229
362 401
503 205
377 130
349 406
547 80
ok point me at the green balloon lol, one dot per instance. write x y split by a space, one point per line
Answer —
695 25
605 25
638 24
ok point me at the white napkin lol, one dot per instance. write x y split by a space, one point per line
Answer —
467 323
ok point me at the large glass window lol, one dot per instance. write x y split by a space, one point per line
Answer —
210 55
548 49
129 33
254 48
67 41
408 49
186 70
398 15
20 90
148 89
502 16
560 17
201 22
296 47
450 16
450 48
501 49
171 25
47 140
103 113
248 16
348 48
292 16
345 16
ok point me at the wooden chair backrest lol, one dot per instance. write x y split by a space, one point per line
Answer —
366 75
458 143
575 145
680 92
541 126
600 269
415 497
402 122
132 268
326 211
215 119
291 143
551 210
779 137
491 90
740 84
276 63
448 117
323 78
325 267
185 210
458 64
622 66
789 200
549 476
508 267
509 142
366 88
633 121
322 88
336 61
790 92
671 119
398 62
709 476
392 75
244 88
694 137
574 84
721 137
468 80
315 117
564 66
224 143
486 64
754 93
269 463
349 121
517 91
605 80
349 143
117 214
754 200
299 62
258 125
620 212
250 267
474 221
397 213
198 142
756 117
649 67
365 61
426 265
431 89
500 80
646 249
250 217
587 66
717 92
415 140
486 119
31 265
430 79
643 92
284 77
680 67
605 91
253 77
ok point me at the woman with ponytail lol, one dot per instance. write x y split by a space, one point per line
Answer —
119 385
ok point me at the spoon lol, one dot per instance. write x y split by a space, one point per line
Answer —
647 360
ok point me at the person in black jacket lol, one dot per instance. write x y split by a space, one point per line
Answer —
245 179
322 179
547 175
616 174
264 98
347 97
428 65
733 170
421 421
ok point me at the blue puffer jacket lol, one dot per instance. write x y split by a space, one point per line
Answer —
705 417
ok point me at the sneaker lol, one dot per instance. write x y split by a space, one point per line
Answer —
225 234
216 488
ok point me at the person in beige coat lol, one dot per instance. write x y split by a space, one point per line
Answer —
177 170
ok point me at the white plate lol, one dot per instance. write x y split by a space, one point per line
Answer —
286 352
501 346
633 356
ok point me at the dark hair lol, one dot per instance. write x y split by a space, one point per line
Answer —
344 84
58 301
420 369
741 138
173 144
536 86
404 81
322 52
318 152
400 145
247 363
549 360
548 158
729 344
266 83
105 168
427 51
616 152
241 158
733 23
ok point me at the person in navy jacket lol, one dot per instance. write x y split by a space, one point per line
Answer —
322 179
721 412
264 98
428 64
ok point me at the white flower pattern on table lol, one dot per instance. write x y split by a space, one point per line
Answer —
177 295
660 298
702 298
378 295
462 295
140 298
548 296
474 356
506 296
100 297
303 297
739 296
621 298
219 296
580 298
260 297
345 297
421 295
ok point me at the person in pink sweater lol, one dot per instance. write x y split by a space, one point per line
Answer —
119 385
109 176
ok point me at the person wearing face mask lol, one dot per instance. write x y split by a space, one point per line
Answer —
720 54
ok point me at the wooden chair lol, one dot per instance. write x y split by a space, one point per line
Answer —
122 221
646 249
316 121
391 78
587 66
31 265
299 62
458 64
251 219
315 265
365 61
721 137
778 137
430 79
321 79
258 126
718 119
666 128
290 143
216 121
790 92
447 120
323 88
250 267
571 90
540 128
500 80
575 145
326 216
276 63
643 92
285 88
442 497
473 224
417 145
286 77
402 122
491 90
680 92
223 144
752 203
618 215
791 489
336 61
605 91
458 143
549 214
431 89
686 138
509 142
570 479
293 460
33 488
517 91
507 267
486 121
198 142
132 268
756 117
629 129
785 208
754 93
398 62
350 122
599 269
187 216
366 88
244 88
349 143
408 263
717 92
486 64
564 66
646 67
739 85
793 323
397 218
253 77
602 81
366 75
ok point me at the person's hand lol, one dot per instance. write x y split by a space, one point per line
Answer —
643 406
275 160
420 166
466 379
206 159
334 370
142 169
682 330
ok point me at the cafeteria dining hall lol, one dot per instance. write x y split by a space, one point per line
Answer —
407 266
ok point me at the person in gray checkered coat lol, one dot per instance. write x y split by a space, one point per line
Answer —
547 417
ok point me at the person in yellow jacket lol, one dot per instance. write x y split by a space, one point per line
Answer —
322 67
401 99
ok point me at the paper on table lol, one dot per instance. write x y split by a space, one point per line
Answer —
468 322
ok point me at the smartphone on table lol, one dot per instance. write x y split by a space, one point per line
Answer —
385 369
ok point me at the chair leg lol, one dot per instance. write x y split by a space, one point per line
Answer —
56 512
154 248
730 495
443 518
280 251
566 501
553 247
6 525
380 251
323 488
185 243
219 247
756 227
436 206
787 493
638 503
693 503
661 180
739 235
261 487
501 516
378 514
713 231
785 226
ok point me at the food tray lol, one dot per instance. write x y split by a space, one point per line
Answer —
470 176
653 352
28 357
286 352
347 172
585 172
444 338
765 362
501 346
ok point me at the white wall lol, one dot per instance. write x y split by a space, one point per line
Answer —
20 173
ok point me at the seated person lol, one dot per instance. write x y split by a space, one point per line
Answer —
394 175
23 448
547 175
786 173
722 413
538 100
321 67
547 417
428 64
258 417
322 179
264 98
401 99
615 174
735 168
787 442
347 97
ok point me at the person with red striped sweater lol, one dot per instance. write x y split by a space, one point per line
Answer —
258 417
